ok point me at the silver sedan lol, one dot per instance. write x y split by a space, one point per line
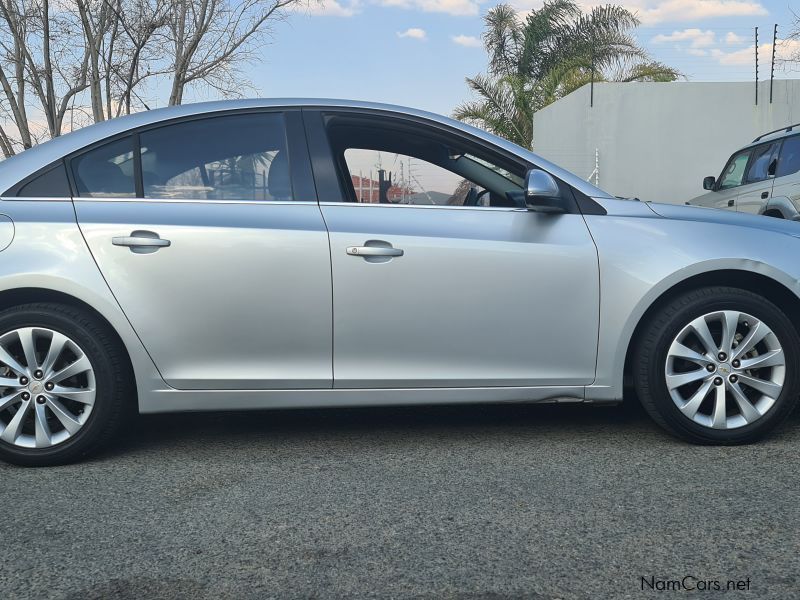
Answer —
277 254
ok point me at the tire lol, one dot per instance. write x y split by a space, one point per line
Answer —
659 367
95 401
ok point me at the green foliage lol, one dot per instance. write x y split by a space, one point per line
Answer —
551 53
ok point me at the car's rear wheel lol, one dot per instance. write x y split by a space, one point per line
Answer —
718 365
64 385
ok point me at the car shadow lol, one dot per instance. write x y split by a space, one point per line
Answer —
401 425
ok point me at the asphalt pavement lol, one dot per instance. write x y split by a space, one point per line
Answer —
466 502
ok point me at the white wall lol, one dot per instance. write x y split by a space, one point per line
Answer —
656 141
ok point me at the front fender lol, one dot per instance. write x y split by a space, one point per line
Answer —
642 257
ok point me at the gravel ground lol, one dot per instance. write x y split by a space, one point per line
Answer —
454 502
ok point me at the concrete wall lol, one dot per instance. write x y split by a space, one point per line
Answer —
656 141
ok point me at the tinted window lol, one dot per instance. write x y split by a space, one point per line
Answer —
106 171
762 166
238 157
789 160
52 183
734 171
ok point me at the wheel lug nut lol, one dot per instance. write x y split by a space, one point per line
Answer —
23 380
38 374
722 356
710 368
26 396
49 386
717 380
733 378
736 364
41 399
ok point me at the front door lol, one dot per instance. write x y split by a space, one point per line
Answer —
755 192
730 181
215 250
441 279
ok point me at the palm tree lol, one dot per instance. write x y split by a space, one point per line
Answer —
553 52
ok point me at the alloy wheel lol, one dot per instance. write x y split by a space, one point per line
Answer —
725 369
47 387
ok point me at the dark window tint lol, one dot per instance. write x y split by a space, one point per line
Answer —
762 164
107 171
789 161
237 157
52 183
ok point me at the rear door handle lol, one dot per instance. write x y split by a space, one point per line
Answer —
141 242
764 195
730 202
373 251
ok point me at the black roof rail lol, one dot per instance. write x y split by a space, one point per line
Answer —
785 129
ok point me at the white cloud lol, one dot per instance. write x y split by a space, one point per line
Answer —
333 8
731 39
450 7
470 41
414 33
656 11
697 52
697 38
746 56
651 12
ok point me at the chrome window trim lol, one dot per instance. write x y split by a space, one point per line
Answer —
426 206
192 201
33 199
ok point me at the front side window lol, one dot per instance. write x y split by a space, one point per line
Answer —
106 171
400 167
762 166
733 174
237 157
789 159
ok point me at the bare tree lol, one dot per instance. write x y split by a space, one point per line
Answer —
209 37
37 52
132 53
91 60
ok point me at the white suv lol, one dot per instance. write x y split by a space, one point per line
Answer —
762 178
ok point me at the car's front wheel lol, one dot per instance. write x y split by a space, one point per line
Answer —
64 384
718 365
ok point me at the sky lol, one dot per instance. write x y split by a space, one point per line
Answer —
418 52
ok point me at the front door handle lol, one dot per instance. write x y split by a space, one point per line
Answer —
373 251
730 202
141 242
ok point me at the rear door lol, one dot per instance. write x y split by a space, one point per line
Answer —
756 188
210 237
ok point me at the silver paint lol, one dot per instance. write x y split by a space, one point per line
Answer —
484 304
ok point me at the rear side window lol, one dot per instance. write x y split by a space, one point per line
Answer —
734 171
762 166
789 160
52 183
235 157
106 171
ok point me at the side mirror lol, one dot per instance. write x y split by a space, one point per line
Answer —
709 182
542 193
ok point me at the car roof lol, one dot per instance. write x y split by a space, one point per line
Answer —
777 134
16 168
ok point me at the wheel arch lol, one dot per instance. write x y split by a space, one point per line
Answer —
25 295
773 290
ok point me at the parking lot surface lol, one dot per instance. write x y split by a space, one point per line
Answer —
447 502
